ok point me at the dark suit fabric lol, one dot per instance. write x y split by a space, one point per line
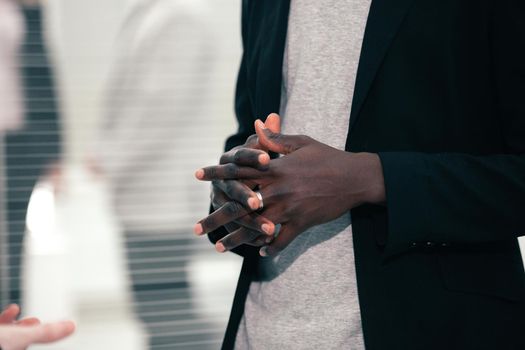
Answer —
440 96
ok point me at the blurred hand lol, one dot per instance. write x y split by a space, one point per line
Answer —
237 197
19 335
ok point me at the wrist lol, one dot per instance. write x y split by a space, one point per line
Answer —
371 179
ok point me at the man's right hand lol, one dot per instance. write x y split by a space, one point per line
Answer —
239 196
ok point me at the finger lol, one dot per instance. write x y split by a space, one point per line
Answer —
251 142
273 122
9 314
239 192
229 212
246 156
236 238
260 241
231 227
218 198
263 240
29 321
50 332
228 172
257 222
277 142
286 235
233 212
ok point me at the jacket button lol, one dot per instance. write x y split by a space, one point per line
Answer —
430 244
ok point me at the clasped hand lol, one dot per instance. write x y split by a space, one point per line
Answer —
311 184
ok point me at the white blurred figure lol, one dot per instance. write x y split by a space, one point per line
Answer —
80 36
168 105
156 108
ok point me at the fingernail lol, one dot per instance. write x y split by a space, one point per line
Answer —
260 124
267 228
198 229
253 203
199 174
70 325
264 159
263 251
220 247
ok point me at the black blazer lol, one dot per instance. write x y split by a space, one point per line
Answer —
440 95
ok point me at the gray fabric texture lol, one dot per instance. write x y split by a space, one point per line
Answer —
307 298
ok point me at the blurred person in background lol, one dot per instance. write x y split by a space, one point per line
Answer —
16 334
157 108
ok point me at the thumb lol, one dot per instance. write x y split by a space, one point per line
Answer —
277 142
273 122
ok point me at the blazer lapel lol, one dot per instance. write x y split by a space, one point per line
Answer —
384 20
272 40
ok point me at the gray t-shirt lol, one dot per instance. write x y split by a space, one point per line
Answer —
307 298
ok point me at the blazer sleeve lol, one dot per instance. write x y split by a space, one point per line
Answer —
245 119
461 198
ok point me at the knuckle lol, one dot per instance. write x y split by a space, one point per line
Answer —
225 158
251 235
211 172
231 171
209 222
254 156
252 140
237 156
275 137
232 208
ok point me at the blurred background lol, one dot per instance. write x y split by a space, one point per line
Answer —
107 107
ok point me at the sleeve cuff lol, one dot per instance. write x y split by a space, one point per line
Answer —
406 186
